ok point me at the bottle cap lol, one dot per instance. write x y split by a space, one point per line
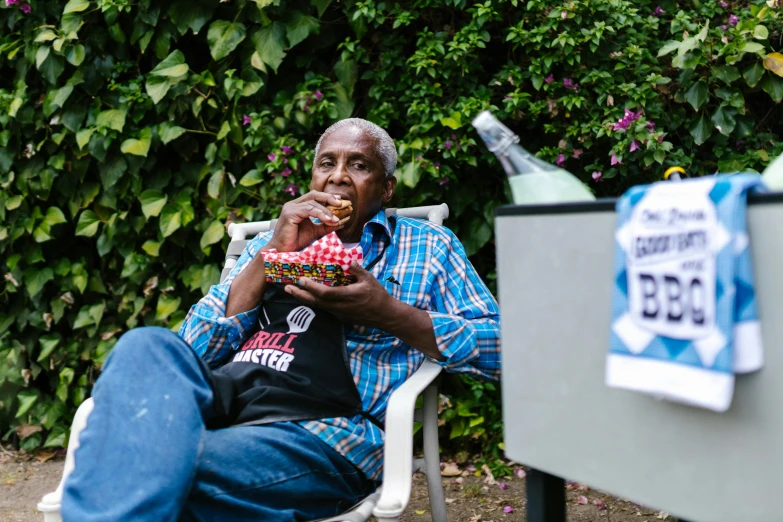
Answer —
674 173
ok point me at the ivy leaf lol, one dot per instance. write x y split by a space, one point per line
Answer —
45 36
26 400
760 32
170 220
225 128
347 72
167 305
112 170
50 65
152 202
157 88
410 174
224 37
269 42
214 233
89 315
83 137
170 71
452 122
113 119
169 132
76 6
668 47
321 5
253 177
724 120
751 47
698 94
88 224
173 66
75 54
253 82
138 147
774 62
727 73
774 87
215 184
35 279
56 438
48 343
753 74
151 247
299 26
189 14
702 130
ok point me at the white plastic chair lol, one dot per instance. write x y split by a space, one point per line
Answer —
391 499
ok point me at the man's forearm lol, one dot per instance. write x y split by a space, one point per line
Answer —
248 287
413 327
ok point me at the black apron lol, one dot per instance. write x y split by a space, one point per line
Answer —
293 368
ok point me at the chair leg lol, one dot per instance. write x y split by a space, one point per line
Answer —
432 454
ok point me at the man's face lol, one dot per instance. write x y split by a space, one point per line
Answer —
348 165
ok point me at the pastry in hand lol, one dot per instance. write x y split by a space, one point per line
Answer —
343 211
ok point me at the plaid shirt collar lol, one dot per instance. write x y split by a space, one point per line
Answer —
379 223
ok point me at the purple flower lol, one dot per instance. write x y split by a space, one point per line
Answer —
448 144
564 15
508 509
634 146
650 126
285 161
615 161
436 165
724 27
550 78
658 11
11 2
503 486
444 181
246 120
739 145
271 157
520 473
453 137
286 172
625 122
724 5
568 83
291 189
318 95
560 160
733 19
577 153
286 149
25 8
597 176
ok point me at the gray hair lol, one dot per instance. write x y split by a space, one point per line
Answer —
384 144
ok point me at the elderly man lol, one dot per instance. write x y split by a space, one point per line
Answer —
209 426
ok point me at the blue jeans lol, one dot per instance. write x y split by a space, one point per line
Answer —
147 456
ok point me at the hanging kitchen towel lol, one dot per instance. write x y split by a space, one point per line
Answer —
684 315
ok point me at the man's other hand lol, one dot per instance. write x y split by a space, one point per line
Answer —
364 302
295 230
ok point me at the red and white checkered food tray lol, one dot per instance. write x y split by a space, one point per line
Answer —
326 261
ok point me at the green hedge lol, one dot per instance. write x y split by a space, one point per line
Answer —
132 132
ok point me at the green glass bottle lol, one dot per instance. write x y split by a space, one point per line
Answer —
532 181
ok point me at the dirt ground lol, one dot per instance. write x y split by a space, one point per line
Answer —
471 495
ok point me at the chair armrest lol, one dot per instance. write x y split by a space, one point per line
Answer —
398 446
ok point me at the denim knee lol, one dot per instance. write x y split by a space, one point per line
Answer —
147 342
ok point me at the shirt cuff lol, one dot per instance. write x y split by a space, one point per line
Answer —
235 329
454 338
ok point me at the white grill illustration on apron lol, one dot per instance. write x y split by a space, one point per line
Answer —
299 319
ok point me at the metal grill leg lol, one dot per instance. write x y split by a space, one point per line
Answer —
545 497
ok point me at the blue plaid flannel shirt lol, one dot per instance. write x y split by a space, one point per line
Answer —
434 274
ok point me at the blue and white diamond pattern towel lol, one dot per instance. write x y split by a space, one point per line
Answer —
684 315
